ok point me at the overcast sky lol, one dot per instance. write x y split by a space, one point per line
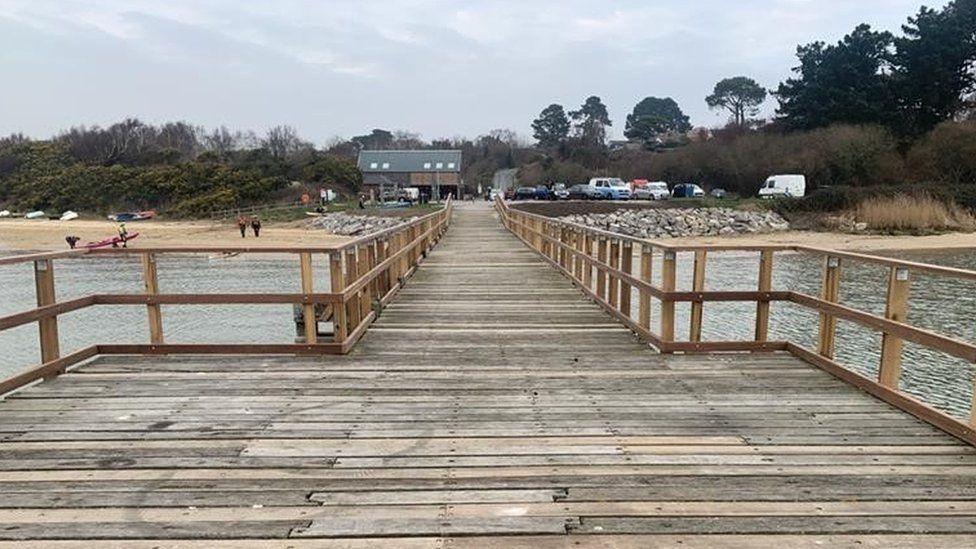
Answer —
435 67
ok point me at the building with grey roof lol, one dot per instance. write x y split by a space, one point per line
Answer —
435 172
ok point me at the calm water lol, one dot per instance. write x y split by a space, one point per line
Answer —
940 304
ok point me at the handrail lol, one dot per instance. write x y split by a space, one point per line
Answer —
365 274
600 262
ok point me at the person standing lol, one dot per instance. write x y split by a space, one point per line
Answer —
72 241
123 235
242 225
256 227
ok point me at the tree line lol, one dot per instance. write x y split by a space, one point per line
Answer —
177 167
875 101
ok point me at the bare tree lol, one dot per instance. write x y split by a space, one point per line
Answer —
282 141
221 140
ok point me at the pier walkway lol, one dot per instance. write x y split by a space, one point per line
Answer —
490 405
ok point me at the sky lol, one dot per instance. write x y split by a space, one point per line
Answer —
435 67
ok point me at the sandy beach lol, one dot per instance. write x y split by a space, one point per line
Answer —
43 235
21 234
845 241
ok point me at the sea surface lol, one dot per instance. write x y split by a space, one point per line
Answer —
940 304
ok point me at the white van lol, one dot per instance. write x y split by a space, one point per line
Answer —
784 185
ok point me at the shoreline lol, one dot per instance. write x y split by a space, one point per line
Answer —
19 235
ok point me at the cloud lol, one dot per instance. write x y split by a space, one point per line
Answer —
441 67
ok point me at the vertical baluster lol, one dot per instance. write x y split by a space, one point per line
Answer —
613 279
47 326
896 308
364 265
601 274
338 283
668 271
352 273
577 259
765 285
587 267
308 308
697 285
646 267
627 267
150 282
829 292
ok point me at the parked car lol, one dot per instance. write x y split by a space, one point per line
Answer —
525 193
560 191
586 192
542 193
654 190
614 187
784 185
687 190
718 193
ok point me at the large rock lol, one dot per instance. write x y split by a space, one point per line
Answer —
683 222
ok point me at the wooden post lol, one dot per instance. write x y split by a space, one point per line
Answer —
765 285
614 281
972 407
308 309
383 280
697 285
577 260
153 310
829 292
48 326
352 273
587 268
365 263
899 282
601 275
338 283
668 270
627 266
646 267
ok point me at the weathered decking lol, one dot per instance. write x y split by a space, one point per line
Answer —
490 399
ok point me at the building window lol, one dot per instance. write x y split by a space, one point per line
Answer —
450 165
373 165
386 165
426 165
440 165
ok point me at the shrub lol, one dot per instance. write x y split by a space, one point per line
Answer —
947 153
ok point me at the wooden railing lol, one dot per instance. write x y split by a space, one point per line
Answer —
602 265
364 275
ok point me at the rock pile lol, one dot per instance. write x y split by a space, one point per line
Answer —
353 225
674 222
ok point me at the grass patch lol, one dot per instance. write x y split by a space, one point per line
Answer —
913 214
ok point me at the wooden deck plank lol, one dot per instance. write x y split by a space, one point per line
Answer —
473 410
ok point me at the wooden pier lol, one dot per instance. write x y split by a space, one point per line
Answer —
490 404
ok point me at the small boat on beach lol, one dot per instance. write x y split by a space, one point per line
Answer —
132 216
35 215
68 216
113 241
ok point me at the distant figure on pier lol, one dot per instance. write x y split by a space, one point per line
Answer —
256 227
72 241
242 225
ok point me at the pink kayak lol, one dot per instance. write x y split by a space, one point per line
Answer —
114 241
